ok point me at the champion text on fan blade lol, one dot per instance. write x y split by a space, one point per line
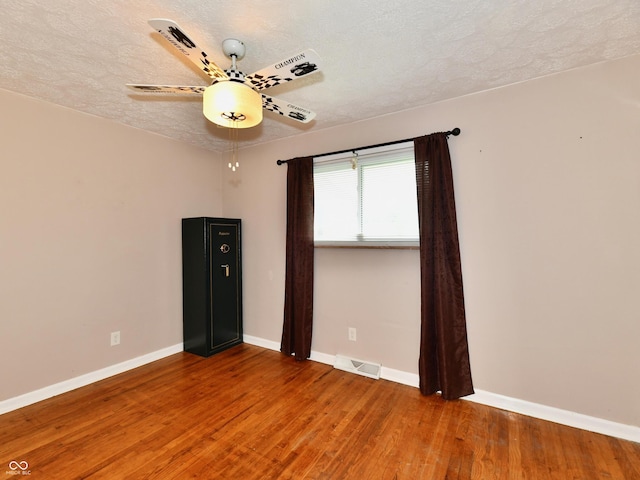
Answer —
182 89
296 66
185 45
287 109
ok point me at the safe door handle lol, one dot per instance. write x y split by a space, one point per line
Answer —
226 269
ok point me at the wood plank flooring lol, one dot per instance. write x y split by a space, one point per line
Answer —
250 413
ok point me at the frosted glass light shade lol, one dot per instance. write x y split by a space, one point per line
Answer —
232 104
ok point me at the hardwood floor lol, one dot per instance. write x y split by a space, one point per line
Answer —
250 413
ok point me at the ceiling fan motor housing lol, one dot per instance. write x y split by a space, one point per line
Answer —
233 48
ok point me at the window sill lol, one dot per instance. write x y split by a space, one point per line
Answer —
370 244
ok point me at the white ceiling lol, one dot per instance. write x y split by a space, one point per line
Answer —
378 57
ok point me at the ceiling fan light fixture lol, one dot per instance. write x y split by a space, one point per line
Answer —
232 104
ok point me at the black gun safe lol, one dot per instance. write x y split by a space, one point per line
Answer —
211 284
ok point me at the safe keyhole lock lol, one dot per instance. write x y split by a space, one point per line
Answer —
224 248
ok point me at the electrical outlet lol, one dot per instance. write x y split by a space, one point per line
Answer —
115 338
352 334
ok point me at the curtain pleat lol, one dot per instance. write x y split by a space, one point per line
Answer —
444 351
298 297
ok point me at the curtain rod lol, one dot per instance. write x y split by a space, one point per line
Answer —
455 132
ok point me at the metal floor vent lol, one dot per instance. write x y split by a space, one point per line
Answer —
368 369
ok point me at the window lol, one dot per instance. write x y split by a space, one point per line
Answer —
367 199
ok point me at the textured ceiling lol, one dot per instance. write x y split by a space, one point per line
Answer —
378 57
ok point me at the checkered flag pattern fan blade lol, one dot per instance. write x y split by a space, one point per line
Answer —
182 89
291 68
287 109
183 43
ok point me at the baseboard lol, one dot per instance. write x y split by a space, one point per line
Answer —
261 342
536 410
557 415
530 409
386 373
86 379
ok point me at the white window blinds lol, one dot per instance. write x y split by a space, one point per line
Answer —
367 198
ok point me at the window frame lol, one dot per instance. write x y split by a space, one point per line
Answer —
366 155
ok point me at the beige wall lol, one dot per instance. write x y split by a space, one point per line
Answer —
548 187
547 179
90 240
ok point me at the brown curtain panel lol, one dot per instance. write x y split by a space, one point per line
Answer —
298 295
444 352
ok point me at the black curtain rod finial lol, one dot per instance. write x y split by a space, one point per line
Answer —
455 132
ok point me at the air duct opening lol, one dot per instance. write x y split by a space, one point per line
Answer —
360 367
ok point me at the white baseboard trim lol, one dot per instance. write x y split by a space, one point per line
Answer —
530 409
536 410
86 379
398 376
386 373
557 415
261 342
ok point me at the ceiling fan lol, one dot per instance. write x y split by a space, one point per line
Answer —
233 99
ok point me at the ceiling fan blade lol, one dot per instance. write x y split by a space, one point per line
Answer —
182 89
295 66
287 109
176 37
